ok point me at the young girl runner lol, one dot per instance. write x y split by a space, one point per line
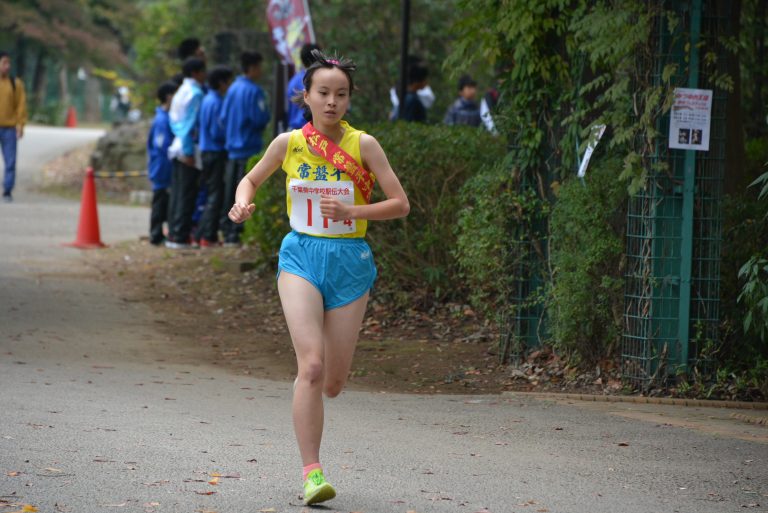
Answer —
325 268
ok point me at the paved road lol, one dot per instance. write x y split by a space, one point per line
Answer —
99 413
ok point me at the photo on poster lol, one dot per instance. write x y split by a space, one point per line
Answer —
690 119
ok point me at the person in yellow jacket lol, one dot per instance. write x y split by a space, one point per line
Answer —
13 116
326 268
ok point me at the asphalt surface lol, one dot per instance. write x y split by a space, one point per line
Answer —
100 412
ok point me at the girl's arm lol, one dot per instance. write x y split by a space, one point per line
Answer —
396 205
273 157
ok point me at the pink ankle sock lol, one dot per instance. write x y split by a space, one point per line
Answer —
310 468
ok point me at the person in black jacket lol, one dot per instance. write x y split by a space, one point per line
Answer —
413 108
465 110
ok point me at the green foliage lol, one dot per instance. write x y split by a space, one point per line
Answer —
414 254
754 296
587 247
379 64
224 29
745 230
762 181
564 67
497 217
751 44
269 223
78 33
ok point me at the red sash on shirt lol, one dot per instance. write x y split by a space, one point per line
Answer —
339 159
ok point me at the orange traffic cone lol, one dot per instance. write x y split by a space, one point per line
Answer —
88 229
71 118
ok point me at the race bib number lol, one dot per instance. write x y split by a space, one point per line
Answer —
305 206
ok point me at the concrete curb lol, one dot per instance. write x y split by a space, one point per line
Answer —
646 400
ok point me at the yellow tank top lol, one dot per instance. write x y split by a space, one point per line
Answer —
309 176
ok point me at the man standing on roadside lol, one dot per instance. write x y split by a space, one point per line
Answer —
244 114
13 116
184 116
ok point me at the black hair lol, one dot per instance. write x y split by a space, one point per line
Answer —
417 73
218 75
466 81
188 47
192 65
321 61
248 59
306 54
166 89
3 53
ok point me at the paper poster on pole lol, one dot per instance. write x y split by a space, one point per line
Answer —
291 27
690 119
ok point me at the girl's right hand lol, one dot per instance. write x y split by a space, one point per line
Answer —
241 211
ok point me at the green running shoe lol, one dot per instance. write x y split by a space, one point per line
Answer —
317 489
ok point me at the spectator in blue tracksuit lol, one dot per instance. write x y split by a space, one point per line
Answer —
158 165
244 115
295 114
213 153
185 117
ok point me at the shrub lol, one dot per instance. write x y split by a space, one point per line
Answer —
493 219
745 230
415 254
587 247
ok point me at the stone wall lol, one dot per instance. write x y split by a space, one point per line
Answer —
123 148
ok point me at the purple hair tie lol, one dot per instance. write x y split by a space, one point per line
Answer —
332 61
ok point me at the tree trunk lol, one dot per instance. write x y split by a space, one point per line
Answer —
759 77
21 54
92 99
736 180
64 98
39 79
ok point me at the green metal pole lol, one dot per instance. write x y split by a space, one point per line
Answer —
689 167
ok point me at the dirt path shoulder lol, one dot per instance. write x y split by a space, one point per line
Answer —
216 299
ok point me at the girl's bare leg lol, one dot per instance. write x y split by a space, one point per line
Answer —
303 309
341 330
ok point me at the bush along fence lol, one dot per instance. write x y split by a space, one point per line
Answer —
596 269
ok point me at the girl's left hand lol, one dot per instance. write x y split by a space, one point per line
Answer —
333 209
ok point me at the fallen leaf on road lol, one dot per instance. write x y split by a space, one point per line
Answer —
214 481
13 474
151 504
623 444
267 510
121 505
205 493
49 469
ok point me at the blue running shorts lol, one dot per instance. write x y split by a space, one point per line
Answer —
342 269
